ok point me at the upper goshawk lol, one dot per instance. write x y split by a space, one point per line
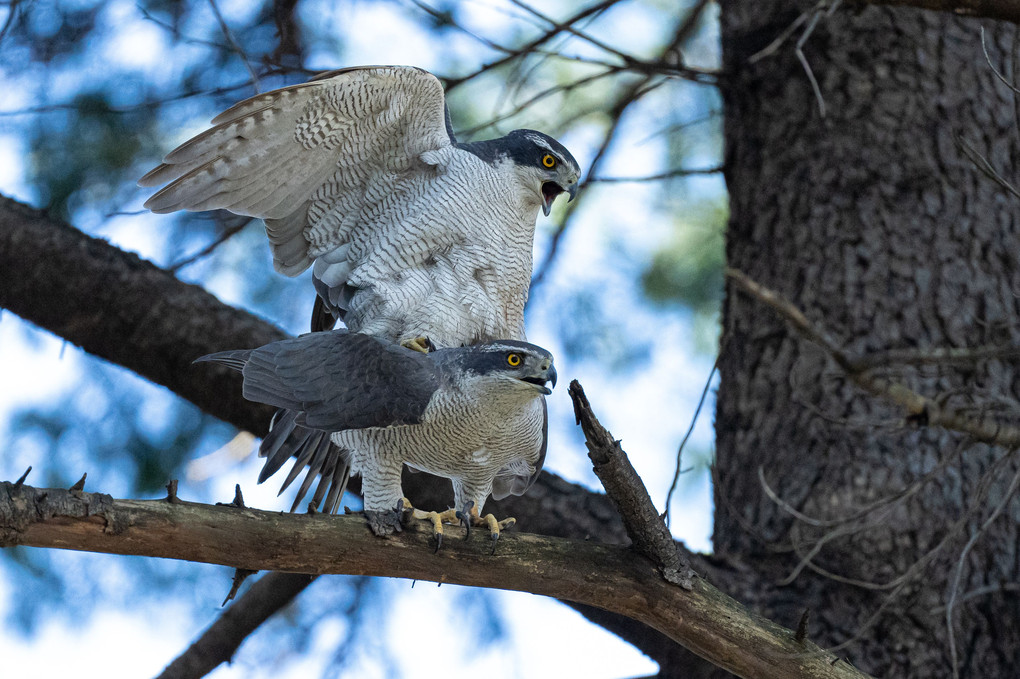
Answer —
450 412
410 233
412 236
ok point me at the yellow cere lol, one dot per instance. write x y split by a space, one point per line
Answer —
548 160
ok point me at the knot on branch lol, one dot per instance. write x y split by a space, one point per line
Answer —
21 506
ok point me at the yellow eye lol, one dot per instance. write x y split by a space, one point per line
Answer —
513 359
548 160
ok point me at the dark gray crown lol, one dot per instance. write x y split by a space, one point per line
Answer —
523 147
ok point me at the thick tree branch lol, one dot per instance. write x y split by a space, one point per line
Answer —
117 306
607 576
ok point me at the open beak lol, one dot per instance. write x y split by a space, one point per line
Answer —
548 375
552 189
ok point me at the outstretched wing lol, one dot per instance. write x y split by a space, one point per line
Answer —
337 380
309 157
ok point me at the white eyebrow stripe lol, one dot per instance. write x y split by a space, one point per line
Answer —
540 142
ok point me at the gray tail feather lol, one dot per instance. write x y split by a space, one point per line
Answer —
313 451
232 359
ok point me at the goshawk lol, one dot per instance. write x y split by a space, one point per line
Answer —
450 412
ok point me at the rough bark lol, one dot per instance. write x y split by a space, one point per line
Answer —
608 576
875 224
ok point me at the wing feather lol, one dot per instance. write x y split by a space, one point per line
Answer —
331 142
337 380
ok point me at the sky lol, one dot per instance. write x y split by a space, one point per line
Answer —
649 405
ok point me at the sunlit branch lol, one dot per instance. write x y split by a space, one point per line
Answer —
610 577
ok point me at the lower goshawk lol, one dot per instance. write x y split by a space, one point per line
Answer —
450 412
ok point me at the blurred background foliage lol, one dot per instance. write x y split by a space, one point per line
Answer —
94 93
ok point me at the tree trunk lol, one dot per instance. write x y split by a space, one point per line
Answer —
872 221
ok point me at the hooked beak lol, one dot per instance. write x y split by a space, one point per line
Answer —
552 189
548 375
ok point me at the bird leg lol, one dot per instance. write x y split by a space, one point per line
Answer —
387 521
469 517
435 518
422 344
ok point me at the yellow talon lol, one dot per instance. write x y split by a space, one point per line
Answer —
422 344
436 518
491 522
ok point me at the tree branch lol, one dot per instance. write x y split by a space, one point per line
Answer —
222 639
117 306
610 577
1006 10
984 427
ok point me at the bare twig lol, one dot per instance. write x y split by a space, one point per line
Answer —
679 172
936 356
628 97
897 497
527 48
809 19
221 640
683 443
176 33
492 122
228 232
13 8
1005 10
984 165
627 59
899 583
995 71
228 34
922 410
954 587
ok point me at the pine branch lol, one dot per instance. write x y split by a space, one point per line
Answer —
607 576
